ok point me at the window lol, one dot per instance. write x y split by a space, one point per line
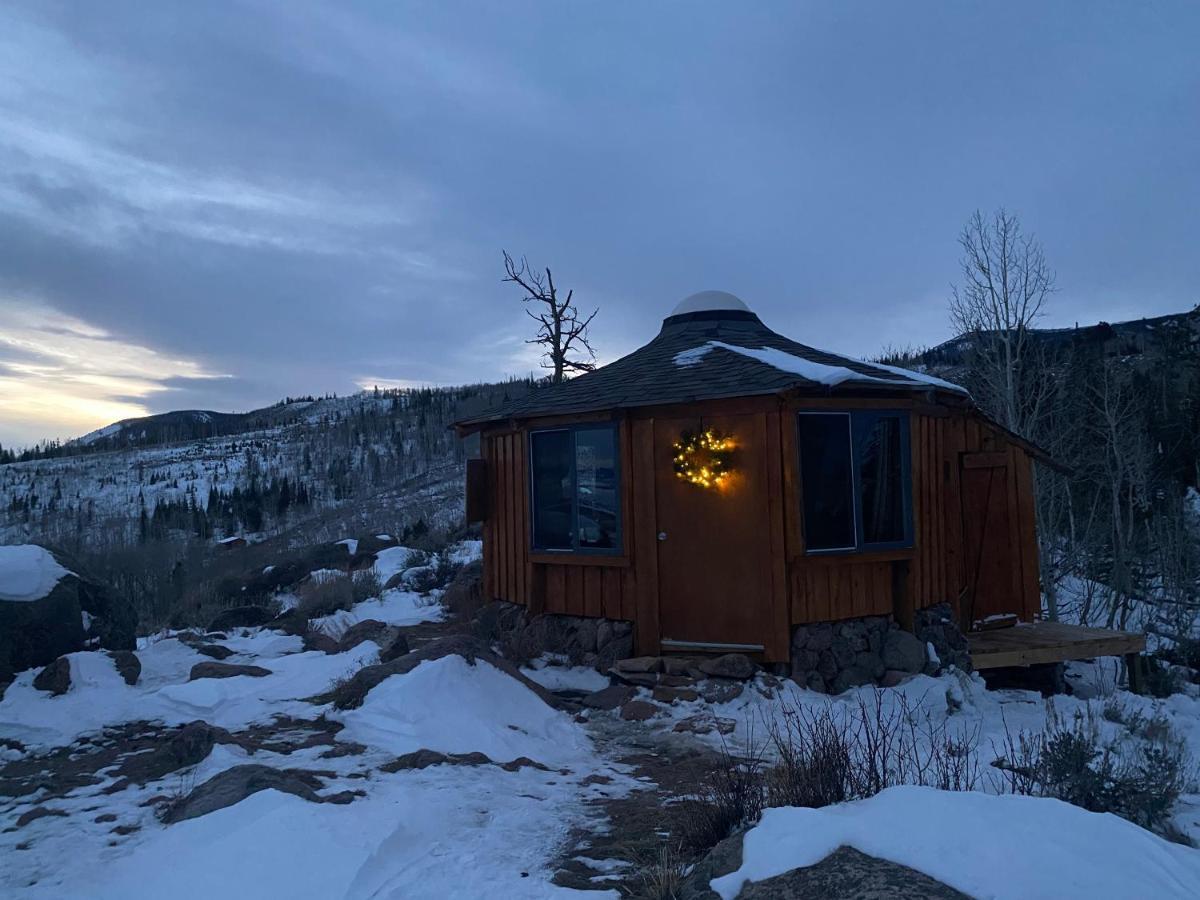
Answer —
576 490
854 472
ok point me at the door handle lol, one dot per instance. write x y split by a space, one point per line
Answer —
662 535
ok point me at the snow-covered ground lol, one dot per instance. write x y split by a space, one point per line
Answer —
1023 848
444 831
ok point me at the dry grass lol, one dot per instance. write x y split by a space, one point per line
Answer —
324 596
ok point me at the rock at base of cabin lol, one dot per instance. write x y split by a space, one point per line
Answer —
904 651
640 664
55 678
670 695
639 711
609 698
730 665
721 690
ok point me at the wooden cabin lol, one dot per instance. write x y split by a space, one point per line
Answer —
724 484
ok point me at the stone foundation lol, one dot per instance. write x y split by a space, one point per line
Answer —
587 641
936 626
834 656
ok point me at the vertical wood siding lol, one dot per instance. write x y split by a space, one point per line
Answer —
809 589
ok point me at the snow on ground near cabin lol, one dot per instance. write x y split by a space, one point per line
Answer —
965 706
444 831
812 371
28 572
441 705
985 846
554 673
394 607
392 561
98 697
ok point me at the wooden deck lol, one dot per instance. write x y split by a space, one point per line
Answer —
1032 643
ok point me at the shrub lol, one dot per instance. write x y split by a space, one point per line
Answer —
661 876
1139 783
324 596
464 595
1161 679
364 585
732 798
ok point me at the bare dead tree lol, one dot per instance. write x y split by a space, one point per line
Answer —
562 331
1006 281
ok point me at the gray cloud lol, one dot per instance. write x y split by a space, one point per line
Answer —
311 197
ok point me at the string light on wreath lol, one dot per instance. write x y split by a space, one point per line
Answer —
704 458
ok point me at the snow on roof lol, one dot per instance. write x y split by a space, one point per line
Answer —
707 301
821 373
1025 847
28 572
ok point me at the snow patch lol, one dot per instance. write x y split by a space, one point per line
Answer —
350 544
28 572
1025 847
820 373
455 707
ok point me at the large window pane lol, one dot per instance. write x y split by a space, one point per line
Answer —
551 458
827 481
881 480
596 486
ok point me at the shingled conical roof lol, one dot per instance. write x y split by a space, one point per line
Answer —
713 346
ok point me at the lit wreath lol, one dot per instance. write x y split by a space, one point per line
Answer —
705 459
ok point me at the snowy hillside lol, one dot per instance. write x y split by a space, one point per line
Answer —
281 466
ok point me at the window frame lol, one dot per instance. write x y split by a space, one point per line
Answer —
575 549
868 417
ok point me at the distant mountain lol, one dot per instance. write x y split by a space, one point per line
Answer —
1132 339
377 457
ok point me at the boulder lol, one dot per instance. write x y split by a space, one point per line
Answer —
225 670
319 640
55 678
903 651
127 664
671 695
610 697
291 621
639 710
240 617
366 630
640 664
236 784
215 651
721 690
730 665
188 746
44 597
617 649
349 694
395 647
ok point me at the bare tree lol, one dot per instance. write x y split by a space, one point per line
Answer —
1006 282
561 330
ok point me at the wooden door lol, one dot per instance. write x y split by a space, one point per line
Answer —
714 547
992 564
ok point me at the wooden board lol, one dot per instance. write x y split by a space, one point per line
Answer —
1048 642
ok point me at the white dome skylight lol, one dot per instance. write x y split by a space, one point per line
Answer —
709 301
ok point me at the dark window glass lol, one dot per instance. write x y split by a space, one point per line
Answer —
827 481
576 491
596 488
551 458
881 480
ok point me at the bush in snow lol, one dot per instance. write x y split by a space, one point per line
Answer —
731 798
1139 781
365 585
325 596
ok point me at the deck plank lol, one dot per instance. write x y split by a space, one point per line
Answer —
1035 643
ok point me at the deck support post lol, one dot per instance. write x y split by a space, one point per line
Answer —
1136 665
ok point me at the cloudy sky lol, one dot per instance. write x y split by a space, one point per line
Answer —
212 205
